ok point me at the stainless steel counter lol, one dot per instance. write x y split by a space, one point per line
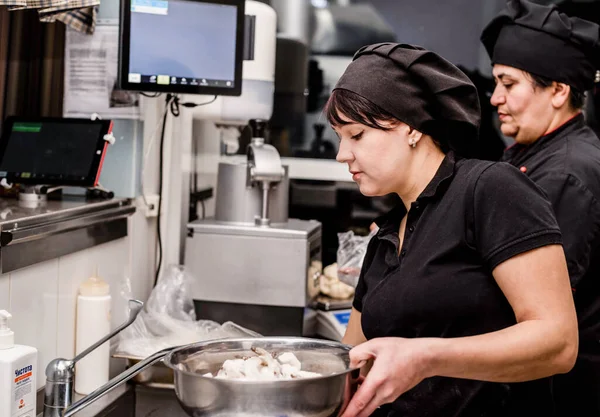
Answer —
133 401
154 402
120 402
32 235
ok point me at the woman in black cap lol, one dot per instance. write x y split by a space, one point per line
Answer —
543 62
462 296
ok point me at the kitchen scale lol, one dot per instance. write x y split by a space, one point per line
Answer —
332 317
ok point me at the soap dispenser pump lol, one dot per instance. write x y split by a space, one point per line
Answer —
18 368
7 336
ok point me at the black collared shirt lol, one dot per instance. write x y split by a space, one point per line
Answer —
566 165
472 216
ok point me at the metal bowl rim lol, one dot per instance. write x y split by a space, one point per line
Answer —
168 359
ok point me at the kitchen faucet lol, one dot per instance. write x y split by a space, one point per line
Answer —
60 375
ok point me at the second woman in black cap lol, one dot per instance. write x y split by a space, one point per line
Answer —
463 303
543 62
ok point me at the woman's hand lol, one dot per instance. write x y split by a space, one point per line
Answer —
399 364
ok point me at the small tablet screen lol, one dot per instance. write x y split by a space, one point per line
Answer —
53 151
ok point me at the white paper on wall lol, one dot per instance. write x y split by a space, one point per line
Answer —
91 76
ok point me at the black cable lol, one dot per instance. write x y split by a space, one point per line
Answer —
148 95
172 103
190 104
175 106
168 101
192 215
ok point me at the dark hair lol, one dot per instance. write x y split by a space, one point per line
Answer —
576 97
358 109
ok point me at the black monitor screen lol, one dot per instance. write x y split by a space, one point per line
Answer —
182 46
53 151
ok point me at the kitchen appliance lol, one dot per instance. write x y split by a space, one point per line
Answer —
332 317
199 395
253 265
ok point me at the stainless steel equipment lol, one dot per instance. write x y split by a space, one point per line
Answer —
198 395
32 235
252 264
242 202
257 187
310 397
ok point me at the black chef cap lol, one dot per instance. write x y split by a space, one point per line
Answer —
543 41
419 88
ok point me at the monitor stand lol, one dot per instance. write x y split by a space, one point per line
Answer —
36 196
33 196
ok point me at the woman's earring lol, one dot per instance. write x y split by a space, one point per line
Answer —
413 143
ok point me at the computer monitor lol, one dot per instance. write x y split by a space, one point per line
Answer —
182 46
53 151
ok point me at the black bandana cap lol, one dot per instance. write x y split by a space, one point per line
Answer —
543 41
419 88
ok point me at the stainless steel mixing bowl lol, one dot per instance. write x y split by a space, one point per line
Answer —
323 396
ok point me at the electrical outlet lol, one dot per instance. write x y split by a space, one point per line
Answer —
152 205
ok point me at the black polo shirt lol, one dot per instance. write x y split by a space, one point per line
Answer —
566 165
472 216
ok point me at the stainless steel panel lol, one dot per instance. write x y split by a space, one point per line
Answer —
30 236
16 256
248 269
237 202
255 268
22 233
13 216
292 229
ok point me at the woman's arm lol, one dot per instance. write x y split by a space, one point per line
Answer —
354 335
542 343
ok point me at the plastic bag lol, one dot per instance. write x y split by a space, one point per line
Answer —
169 319
350 254
331 286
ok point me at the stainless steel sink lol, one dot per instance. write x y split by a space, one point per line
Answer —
154 402
135 401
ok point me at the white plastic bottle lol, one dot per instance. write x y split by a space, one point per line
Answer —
18 369
93 323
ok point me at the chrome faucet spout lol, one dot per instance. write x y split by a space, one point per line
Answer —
60 373
115 382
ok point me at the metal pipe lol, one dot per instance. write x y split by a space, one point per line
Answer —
264 220
265 200
135 307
